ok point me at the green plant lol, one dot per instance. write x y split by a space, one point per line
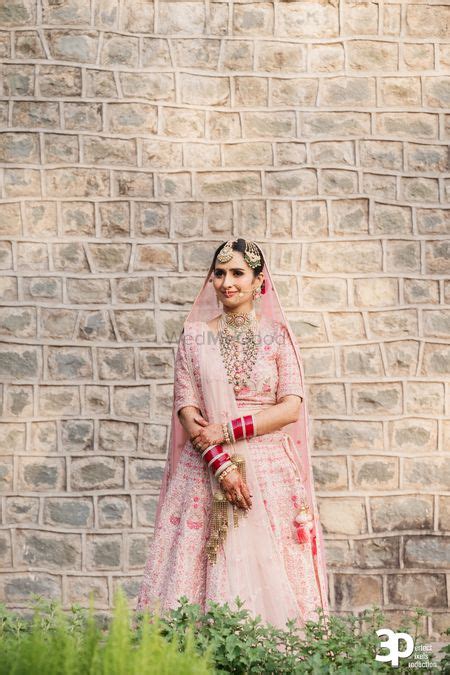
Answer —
188 640
53 643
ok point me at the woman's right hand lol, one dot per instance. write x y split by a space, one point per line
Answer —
236 490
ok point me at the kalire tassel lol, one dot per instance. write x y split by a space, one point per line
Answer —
219 516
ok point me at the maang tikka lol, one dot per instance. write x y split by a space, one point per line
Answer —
251 253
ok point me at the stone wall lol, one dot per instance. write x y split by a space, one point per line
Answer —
137 136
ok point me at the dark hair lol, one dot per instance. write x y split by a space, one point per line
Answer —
239 245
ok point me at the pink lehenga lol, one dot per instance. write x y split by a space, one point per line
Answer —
261 561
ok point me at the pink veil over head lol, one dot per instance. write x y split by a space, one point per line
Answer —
254 529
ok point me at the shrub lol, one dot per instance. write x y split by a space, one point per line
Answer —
187 640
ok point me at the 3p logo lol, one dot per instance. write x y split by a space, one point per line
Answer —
392 643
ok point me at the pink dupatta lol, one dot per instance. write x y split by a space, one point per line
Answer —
253 571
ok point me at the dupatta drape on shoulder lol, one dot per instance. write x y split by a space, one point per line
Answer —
254 571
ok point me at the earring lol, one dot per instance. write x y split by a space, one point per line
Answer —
256 293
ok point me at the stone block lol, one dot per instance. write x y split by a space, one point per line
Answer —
115 364
425 398
378 552
20 588
402 256
189 18
437 256
78 218
423 472
345 91
137 550
251 91
155 52
48 289
373 472
384 398
132 402
82 116
302 182
358 591
223 126
164 155
36 114
28 45
120 437
20 361
49 550
428 590
19 400
119 50
18 321
152 219
407 125
156 363
59 400
183 123
77 182
89 291
392 219
267 124
57 323
97 473
102 151
400 91
110 257
55 81
154 438
146 510
341 256
343 515
114 511
189 53
238 55
21 510
413 435
40 219
145 473
8 288
77 436
80 589
174 185
104 552
19 148
114 219
10 219
133 184
330 474
204 90
436 359
402 357
134 290
430 552
310 218
370 292
342 436
69 363
44 437
135 325
308 19
32 256
350 216
94 326
68 512
12 437
42 474
156 257
129 118
101 84
21 183
97 400
280 57
427 20
73 45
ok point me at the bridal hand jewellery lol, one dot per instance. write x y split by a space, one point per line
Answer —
238 342
221 463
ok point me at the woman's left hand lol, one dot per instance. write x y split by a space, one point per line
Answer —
209 435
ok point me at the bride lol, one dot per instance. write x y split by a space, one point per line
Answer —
237 514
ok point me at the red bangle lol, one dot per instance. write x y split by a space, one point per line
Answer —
217 463
249 428
212 452
238 430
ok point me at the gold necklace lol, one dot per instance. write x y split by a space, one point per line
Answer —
238 346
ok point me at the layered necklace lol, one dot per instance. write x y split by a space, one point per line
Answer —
238 341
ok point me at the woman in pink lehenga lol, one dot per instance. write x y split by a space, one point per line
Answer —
238 391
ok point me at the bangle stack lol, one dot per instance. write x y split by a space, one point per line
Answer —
241 427
216 459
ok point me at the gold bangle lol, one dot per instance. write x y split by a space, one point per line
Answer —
226 471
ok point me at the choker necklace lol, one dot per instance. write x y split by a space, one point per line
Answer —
239 320
238 342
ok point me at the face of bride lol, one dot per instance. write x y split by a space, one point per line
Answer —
232 278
